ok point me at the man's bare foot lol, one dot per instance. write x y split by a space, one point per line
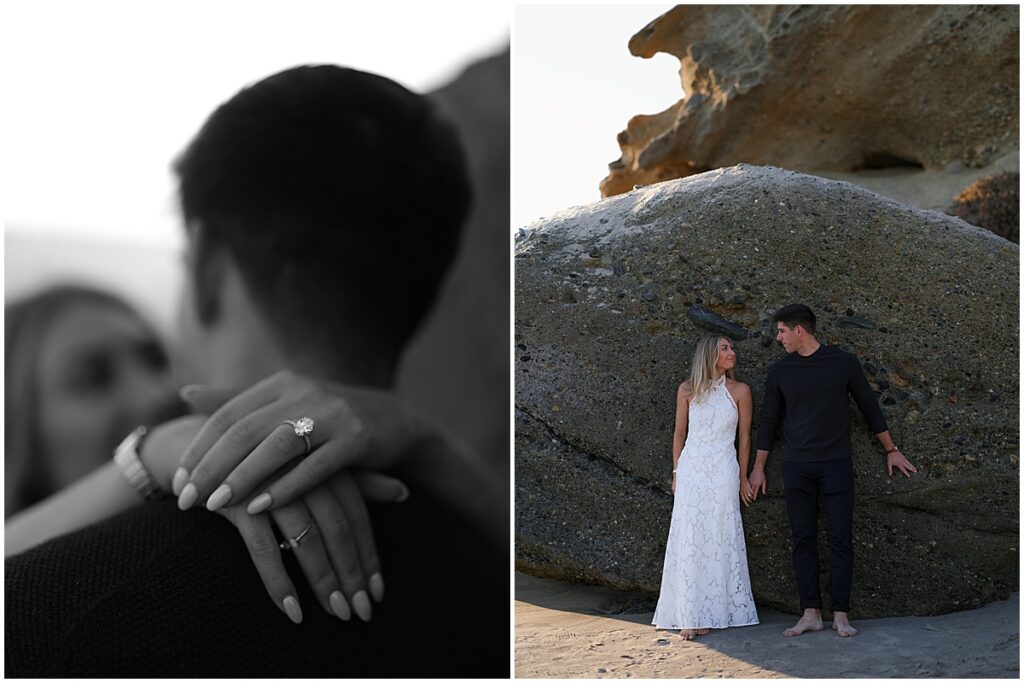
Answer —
841 625
691 633
810 621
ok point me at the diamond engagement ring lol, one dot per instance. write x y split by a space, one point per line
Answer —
296 541
303 427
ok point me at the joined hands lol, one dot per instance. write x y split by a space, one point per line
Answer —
252 468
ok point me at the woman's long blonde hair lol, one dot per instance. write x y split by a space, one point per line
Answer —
28 476
702 371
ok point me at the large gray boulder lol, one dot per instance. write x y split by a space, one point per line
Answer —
610 299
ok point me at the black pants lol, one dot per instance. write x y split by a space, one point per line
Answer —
831 482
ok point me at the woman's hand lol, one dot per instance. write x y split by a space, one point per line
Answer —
329 532
246 439
746 491
337 554
673 483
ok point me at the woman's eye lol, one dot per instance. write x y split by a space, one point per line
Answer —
153 355
92 375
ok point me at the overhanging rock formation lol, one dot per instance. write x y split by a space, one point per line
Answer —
829 88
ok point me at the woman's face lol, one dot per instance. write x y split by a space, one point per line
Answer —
101 373
726 356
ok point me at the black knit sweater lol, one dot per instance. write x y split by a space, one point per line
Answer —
157 592
810 396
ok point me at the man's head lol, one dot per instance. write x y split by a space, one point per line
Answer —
338 196
795 326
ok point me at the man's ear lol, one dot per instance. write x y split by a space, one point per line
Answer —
205 264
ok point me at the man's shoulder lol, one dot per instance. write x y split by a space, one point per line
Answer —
781 363
87 569
832 354
840 355
72 604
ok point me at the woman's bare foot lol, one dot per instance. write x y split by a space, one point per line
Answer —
810 621
691 633
841 625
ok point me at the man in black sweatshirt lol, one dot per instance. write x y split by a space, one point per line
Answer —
808 392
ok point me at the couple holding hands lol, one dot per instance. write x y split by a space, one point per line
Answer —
705 583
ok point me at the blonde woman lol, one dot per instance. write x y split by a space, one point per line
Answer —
705 583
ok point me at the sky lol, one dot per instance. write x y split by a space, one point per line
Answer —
574 87
100 96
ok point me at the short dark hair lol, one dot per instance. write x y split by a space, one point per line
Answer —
796 314
340 196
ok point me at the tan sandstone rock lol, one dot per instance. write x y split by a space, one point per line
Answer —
992 203
829 89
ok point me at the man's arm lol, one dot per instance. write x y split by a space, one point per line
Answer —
857 385
771 412
449 471
866 402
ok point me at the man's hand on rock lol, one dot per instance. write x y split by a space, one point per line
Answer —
900 462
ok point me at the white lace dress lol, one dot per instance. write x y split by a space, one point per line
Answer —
705 583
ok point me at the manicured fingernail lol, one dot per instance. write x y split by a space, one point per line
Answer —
180 477
377 587
340 607
218 498
403 493
188 496
291 606
187 391
259 504
361 604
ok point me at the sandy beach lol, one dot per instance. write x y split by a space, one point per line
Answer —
576 631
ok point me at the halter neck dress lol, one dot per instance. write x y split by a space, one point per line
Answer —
705 582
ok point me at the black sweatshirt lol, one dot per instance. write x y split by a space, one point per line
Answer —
809 395
156 592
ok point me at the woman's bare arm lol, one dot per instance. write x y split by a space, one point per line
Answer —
683 396
745 405
93 498
101 494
